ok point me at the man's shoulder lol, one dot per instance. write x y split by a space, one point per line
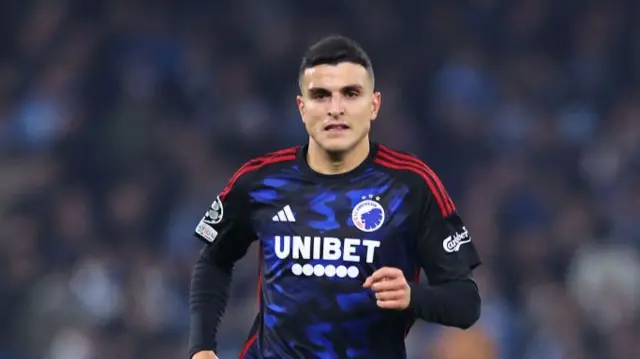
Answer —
258 165
418 175
405 165
252 170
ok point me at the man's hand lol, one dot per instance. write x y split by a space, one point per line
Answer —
204 355
391 288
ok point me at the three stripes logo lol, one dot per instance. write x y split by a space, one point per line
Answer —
284 215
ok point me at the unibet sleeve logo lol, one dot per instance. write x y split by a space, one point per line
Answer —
452 243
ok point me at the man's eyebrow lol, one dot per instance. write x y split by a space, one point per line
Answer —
353 87
317 89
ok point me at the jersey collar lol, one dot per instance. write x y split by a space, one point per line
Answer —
363 166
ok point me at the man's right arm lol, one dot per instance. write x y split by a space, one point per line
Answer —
226 230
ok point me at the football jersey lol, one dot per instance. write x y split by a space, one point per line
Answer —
320 236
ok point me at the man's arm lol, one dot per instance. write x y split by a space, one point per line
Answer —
210 284
448 257
227 233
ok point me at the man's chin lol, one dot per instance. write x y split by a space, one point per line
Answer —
337 145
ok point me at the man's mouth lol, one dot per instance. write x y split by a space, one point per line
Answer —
336 127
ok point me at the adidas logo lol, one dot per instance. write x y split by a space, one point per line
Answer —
284 215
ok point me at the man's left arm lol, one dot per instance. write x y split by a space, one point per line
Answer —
448 257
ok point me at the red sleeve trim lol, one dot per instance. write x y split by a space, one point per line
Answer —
287 154
399 161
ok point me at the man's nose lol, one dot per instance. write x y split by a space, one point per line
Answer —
337 107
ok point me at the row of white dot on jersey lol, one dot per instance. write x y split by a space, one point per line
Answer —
320 270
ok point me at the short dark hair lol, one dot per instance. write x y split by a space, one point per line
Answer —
333 50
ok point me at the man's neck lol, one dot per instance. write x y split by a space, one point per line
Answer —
328 163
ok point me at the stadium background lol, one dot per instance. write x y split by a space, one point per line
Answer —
120 120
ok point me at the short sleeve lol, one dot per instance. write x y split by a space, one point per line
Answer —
444 242
226 226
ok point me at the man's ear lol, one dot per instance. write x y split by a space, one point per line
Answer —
376 102
300 104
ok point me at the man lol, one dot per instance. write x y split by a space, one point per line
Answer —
344 226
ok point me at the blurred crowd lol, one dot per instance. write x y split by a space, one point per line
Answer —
120 120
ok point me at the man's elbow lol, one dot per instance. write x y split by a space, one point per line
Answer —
472 310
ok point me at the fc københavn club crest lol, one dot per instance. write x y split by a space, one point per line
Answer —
214 214
368 214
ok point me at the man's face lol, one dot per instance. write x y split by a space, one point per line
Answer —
337 105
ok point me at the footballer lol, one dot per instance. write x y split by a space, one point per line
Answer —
345 226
